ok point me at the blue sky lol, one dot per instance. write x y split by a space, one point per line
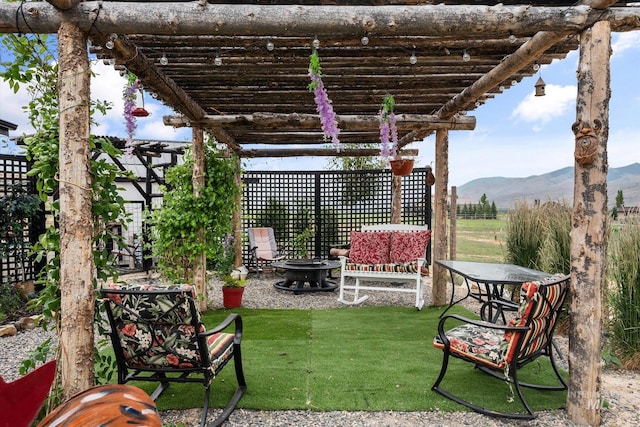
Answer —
516 135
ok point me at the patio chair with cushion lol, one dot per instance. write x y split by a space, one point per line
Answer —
157 335
263 246
501 350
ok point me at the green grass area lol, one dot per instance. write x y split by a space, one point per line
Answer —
353 359
481 239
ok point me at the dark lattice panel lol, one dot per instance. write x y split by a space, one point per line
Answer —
335 203
15 263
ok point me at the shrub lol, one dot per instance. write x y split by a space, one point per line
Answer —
555 251
524 235
186 225
624 293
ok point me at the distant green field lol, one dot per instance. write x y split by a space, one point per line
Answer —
481 239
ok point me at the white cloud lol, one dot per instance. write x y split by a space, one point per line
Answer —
622 42
542 109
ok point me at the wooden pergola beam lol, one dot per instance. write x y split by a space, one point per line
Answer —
136 62
196 18
523 57
284 122
322 152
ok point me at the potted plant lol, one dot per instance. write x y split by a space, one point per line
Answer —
233 279
389 139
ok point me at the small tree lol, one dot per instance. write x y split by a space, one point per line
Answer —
619 200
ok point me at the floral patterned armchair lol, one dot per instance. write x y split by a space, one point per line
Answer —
156 333
500 350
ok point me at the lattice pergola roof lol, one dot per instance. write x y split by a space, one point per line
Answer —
256 100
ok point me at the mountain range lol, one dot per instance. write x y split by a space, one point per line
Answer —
554 186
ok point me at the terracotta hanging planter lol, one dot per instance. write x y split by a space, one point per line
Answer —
401 167
232 297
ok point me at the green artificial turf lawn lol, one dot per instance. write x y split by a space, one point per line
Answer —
353 359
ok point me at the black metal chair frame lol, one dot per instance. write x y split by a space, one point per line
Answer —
165 376
500 306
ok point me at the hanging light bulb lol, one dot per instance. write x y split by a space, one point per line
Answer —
501 88
512 38
217 61
477 104
536 66
364 40
413 59
111 42
465 56
270 45
514 82
164 60
315 43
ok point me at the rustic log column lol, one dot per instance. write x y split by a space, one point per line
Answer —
439 290
453 223
77 270
237 216
197 181
396 199
589 230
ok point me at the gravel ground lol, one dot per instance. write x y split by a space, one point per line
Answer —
620 389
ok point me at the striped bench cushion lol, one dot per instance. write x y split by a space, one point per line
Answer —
407 267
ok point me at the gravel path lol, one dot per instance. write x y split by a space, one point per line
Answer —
620 389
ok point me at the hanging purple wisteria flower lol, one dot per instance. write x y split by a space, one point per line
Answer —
129 96
323 103
388 129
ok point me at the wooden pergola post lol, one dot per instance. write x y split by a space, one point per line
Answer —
77 270
453 222
237 217
439 290
197 180
396 199
589 230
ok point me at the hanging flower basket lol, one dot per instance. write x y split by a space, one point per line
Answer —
139 112
401 167
232 297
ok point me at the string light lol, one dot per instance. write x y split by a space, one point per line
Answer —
164 60
315 43
270 45
514 82
364 40
111 42
536 66
465 56
501 88
512 38
413 59
218 60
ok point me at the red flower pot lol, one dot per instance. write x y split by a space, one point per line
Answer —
401 167
232 297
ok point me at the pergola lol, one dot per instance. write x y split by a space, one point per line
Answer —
240 71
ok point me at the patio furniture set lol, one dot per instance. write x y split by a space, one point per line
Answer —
157 333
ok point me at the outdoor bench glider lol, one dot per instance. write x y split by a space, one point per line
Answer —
385 253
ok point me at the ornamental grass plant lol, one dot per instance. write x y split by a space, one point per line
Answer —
624 292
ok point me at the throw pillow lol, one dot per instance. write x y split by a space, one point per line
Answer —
409 246
369 247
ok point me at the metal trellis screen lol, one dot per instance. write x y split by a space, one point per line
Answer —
15 262
334 203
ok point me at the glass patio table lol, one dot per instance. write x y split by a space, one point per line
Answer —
490 278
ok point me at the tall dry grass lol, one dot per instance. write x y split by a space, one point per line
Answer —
624 292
